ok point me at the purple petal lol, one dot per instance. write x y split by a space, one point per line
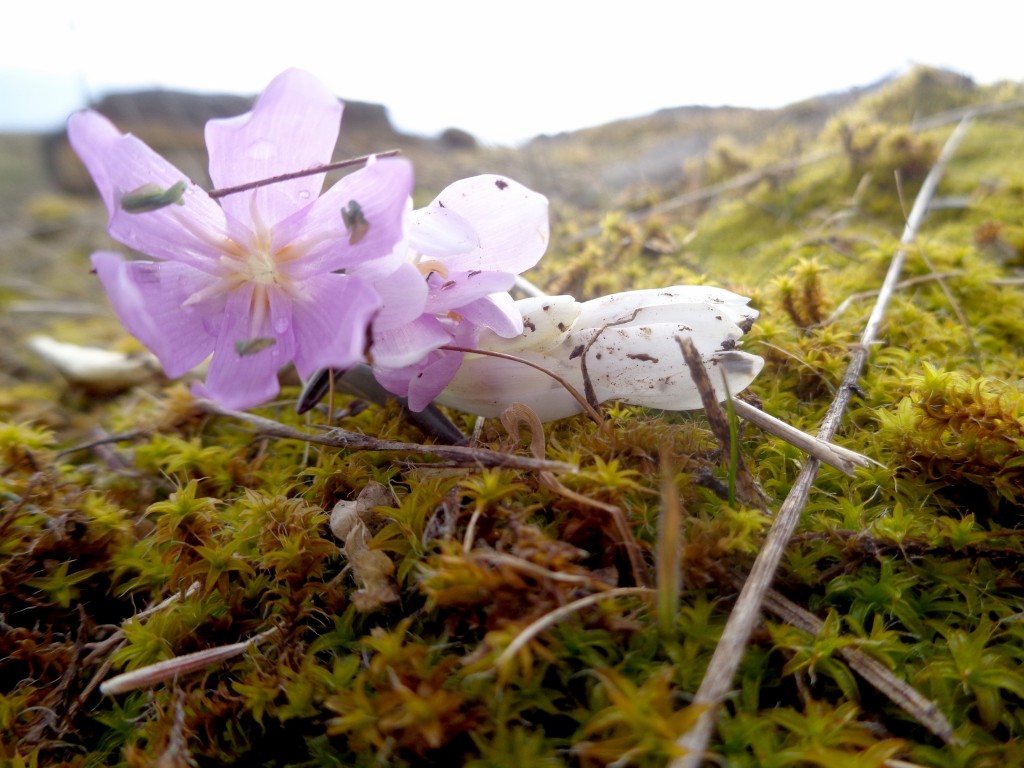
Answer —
240 378
422 382
461 288
119 164
404 293
428 384
332 322
497 312
293 126
409 344
395 380
381 190
510 220
437 232
148 297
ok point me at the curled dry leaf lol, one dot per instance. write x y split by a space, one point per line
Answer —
347 513
352 521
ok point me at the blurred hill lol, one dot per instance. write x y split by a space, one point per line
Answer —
582 167
588 168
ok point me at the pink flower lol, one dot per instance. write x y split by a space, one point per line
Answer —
256 278
462 254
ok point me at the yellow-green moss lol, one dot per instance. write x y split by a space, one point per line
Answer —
916 562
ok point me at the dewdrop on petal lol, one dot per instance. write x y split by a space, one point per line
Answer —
627 344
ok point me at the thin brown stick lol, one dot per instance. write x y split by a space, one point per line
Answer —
726 659
750 491
350 163
944 287
340 438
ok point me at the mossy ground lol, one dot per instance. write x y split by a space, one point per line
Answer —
917 563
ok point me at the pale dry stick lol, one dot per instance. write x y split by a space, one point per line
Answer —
104 646
843 459
908 283
956 115
529 288
550 619
525 566
726 659
1008 281
116 641
470 537
340 438
162 671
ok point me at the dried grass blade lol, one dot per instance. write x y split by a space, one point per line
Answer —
550 619
162 671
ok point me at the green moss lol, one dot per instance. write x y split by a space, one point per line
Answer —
915 562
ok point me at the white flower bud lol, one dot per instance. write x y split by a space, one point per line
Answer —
626 343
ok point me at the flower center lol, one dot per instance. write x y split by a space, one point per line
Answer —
260 265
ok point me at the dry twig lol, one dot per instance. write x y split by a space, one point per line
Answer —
340 438
719 423
726 659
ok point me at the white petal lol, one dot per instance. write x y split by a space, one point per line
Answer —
437 232
547 321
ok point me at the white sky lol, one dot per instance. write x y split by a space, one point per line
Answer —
505 70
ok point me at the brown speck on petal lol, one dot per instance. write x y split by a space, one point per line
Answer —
501 184
644 358
576 352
